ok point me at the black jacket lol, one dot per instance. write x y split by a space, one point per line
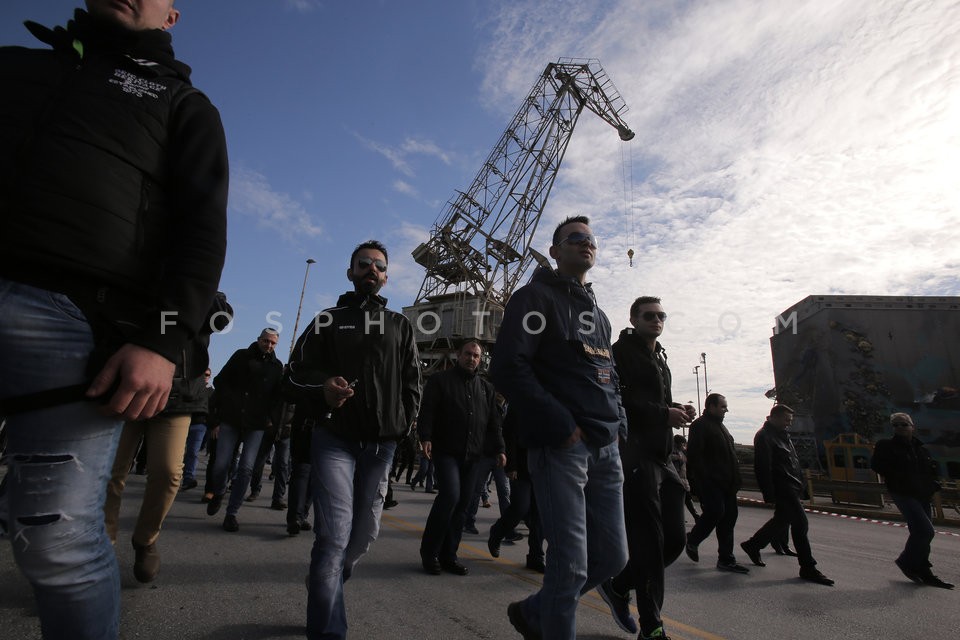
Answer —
645 381
359 339
459 415
248 389
906 466
711 456
113 181
552 361
776 464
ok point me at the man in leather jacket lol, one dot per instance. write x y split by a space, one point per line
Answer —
781 480
910 473
355 373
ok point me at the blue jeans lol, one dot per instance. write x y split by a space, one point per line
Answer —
579 492
487 467
349 482
227 442
51 500
192 450
917 513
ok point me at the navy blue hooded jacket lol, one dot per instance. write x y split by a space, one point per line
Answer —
554 364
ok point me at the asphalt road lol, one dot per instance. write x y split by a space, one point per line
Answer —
249 585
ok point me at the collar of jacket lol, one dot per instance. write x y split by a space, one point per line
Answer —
255 351
467 375
630 333
362 300
154 45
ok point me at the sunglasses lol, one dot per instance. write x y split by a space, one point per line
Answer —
650 315
365 263
578 237
902 424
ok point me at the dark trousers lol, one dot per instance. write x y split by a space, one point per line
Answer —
720 513
917 513
787 512
441 535
653 506
523 506
298 503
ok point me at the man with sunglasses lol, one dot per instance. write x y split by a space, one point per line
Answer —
355 375
653 493
910 473
553 363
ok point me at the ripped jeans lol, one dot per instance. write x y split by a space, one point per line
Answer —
59 460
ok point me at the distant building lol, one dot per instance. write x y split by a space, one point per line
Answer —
844 363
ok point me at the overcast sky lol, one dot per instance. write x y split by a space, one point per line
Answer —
783 149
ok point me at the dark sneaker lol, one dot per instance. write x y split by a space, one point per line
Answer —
214 505
657 634
811 574
619 606
305 525
253 496
471 528
692 552
189 483
431 566
293 529
536 564
513 536
732 567
230 524
933 581
515 615
390 504
146 563
493 544
912 574
454 567
279 505
753 553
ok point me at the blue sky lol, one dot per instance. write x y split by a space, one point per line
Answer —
783 149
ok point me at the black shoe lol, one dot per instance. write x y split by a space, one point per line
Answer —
515 615
753 553
811 574
733 567
493 544
658 634
253 496
413 487
293 529
305 525
278 505
513 536
186 485
454 567
230 524
536 564
933 581
470 528
214 505
619 606
390 504
692 552
431 566
146 563
907 571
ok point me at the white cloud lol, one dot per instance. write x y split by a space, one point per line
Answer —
782 150
399 157
303 6
251 195
405 188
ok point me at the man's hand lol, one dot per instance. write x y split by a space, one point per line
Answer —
427 447
336 390
143 378
676 417
574 438
691 412
501 460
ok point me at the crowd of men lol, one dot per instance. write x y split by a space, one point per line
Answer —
104 332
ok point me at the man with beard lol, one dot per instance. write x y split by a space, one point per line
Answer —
715 479
355 374
653 495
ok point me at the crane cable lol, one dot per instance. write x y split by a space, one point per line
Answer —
626 171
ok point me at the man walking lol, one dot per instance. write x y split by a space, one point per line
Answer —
459 425
653 493
248 400
553 363
355 373
910 473
97 298
781 481
715 478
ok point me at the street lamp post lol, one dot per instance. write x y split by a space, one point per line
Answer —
303 290
696 372
706 387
